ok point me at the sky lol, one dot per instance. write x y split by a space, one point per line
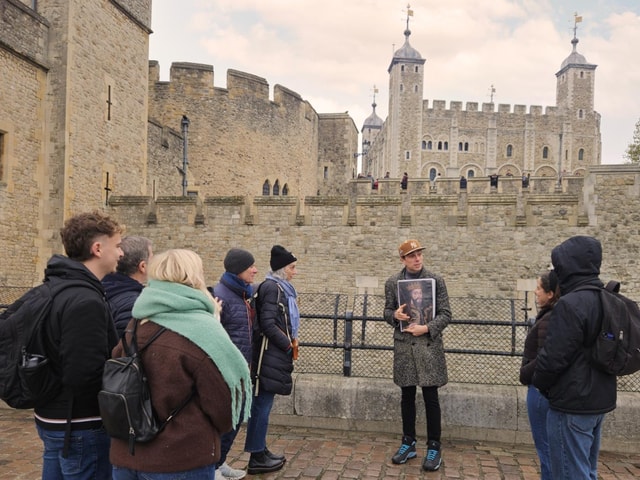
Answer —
335 53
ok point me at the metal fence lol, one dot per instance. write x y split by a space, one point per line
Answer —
347 335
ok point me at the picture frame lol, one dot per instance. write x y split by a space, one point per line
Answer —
419 299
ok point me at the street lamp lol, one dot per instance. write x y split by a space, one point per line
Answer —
185 161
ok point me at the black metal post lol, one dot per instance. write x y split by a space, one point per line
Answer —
348 343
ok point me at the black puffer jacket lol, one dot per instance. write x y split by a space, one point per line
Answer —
122 292
80 337
563 371
237 316
272 362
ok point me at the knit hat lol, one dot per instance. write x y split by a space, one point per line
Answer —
281 257
238 260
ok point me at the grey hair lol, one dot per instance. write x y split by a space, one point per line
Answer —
280 273
135 250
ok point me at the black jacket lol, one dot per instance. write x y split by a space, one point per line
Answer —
121 291
80 335
563 371
272 362
237 316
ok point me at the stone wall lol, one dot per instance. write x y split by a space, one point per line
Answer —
482 242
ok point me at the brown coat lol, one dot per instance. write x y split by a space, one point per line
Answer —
192 438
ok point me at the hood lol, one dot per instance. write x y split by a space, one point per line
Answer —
577 262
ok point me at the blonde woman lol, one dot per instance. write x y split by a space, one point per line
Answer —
194 353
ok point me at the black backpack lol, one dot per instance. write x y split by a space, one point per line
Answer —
616 349
125 399
27 377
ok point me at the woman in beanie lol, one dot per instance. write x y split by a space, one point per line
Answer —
547 295
275 336
194 354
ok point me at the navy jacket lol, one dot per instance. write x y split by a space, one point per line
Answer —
122 292
563 371
237 316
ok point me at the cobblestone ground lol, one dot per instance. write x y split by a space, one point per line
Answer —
332 455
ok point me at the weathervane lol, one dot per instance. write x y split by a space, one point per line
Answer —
576 20
409 14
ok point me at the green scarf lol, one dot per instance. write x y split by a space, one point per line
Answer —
190 313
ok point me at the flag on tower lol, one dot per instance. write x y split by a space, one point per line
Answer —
578 18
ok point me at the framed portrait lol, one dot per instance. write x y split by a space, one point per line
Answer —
419 299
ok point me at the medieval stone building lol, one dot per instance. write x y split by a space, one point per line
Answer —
428 139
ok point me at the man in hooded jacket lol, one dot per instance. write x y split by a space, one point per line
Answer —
579 394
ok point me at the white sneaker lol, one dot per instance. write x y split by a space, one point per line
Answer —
229 473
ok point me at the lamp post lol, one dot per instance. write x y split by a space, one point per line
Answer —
185 161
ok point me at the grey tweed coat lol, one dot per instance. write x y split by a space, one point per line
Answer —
419 360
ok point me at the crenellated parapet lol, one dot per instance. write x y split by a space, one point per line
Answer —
456 106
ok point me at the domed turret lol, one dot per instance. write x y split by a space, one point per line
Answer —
574 58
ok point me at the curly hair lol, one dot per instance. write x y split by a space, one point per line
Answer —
80 232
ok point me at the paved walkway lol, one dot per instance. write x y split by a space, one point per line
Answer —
332 455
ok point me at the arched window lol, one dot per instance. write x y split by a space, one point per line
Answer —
407 155
466 146
416 69
285 190
429 145
439 145
580 113
509 150
424 144
446 145
581 154
402 68
276 188
471 173
460 147
266 188
545 152
415 89
432 173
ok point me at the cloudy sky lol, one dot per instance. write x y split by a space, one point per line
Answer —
333 52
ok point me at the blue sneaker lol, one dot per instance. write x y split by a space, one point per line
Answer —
406 451
433 460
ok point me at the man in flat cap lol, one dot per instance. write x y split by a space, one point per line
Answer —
418 355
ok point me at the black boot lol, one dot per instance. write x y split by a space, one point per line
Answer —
259 462
274 456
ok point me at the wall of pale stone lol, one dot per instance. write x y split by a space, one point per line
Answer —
482 242
23 44
238 137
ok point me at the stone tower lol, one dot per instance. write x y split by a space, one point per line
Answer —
406 78
370 130
575 84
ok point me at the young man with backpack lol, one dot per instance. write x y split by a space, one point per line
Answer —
579 393
80 335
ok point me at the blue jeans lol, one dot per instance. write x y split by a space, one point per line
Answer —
574 443
256 440
88 457
202 473
537 408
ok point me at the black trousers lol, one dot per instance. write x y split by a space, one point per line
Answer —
432 408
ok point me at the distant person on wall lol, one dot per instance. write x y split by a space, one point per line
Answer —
275 346
579 393
405 181
547 294
237 317
123 287
493 180
463 183
418 357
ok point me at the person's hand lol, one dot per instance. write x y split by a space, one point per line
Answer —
416 330
399 314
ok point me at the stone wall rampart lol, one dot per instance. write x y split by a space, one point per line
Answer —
24 32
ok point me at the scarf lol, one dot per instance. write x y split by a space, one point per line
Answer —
292 295
232 281
190 313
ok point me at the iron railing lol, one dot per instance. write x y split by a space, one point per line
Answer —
347 335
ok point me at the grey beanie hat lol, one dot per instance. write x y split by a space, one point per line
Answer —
238 260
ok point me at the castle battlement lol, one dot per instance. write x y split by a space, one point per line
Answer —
502 108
